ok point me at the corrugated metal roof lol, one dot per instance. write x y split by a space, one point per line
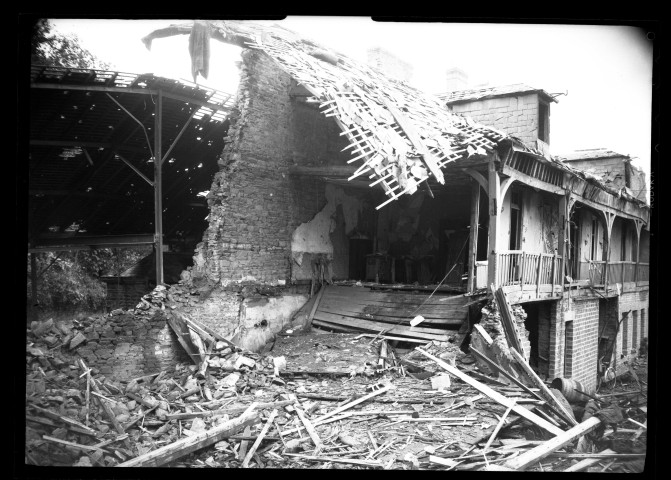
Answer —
79 134
489 92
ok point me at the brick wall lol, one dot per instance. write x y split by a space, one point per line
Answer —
125 346
633 309
515 115
583 337
544 338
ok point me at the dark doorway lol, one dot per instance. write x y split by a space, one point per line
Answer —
358 249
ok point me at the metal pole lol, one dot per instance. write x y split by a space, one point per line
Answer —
158 201
475 220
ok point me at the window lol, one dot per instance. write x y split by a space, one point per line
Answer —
515 220
634 331
623 243
594 239
544 122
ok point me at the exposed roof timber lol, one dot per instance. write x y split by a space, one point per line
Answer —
78 143
139 91
94 241
531 181
58 193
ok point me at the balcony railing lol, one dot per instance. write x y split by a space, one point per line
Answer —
515 267
618 272
592 270
643 273
621 272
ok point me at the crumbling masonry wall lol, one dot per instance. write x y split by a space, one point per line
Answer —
255 203
123 346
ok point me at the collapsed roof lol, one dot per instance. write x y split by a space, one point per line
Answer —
400 135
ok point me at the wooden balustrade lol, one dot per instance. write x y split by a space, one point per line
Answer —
592 270
516 267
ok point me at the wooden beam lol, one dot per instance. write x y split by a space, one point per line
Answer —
430 161
102 241
494 395
184 446
77 143
587 462
131 90
494 185
538 453
532 181
478 177
544 390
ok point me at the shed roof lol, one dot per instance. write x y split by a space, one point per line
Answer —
91 137
491 92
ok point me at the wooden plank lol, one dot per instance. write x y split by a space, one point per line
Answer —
389 310
184 446
266 427
586 463
538 453
226 411
416 141
395 298
400 319
485 336
183 337
423 332
315 306
544 390
494 395
500 370
106 408
508 321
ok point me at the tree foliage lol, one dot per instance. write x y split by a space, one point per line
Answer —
49 47
72 279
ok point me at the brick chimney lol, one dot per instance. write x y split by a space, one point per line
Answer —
455 79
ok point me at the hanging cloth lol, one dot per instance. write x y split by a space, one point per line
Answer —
199 49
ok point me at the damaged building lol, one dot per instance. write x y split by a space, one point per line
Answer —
349 197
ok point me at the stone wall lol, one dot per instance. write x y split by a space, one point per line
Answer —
516 115
256 204
124 346
125 293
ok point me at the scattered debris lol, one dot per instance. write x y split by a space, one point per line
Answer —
339 400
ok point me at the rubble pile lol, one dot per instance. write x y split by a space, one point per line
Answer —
334 401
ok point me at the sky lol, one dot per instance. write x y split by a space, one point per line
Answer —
604 72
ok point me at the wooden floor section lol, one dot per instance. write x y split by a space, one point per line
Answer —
361 309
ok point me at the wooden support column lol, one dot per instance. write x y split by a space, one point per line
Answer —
639 224
158 200
610 218
564 234
33 279
494 185
473 247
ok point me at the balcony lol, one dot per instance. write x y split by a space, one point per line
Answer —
618 272
516 267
